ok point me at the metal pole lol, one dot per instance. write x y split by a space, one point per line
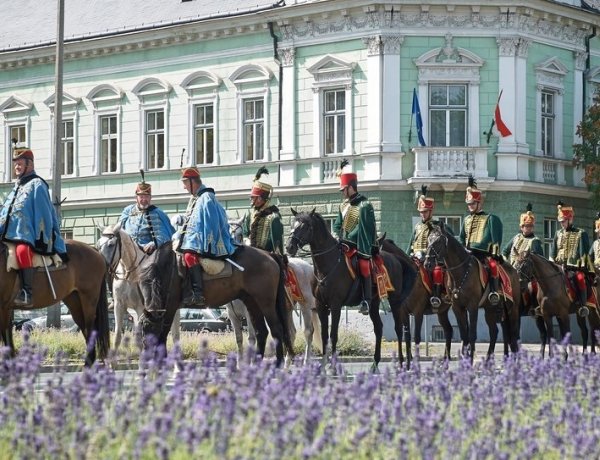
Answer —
53 319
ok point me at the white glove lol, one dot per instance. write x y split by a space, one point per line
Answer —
149 247
177 220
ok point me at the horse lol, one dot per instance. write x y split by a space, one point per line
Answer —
417 304
468 294
554 300
305 276
257 279
336 285
127 298
79 283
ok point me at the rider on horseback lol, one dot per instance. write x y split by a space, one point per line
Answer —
523 241
29 220
147 225
481 233
595 250
203 232
355 226
418 243
570 249
263 224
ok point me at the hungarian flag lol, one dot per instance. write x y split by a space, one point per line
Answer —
500 125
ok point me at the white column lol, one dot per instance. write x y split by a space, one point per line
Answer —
375 93
287 170
391 86
578 107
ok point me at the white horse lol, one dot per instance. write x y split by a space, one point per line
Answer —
236 310
126 293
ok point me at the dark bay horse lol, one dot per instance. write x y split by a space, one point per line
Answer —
468 295
79 284
260 286
417 304
554 300
335 286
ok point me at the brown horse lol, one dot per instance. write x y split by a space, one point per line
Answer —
554 300
417 304
468 295
259 283
336 286
79 284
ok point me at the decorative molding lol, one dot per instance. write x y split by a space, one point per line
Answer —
580 60
449 63
331 71
201 81
374 45
287 56
250 73
105 93
15 105
392 43
70 103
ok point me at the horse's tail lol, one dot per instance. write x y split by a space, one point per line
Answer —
409 269
101 324
281 305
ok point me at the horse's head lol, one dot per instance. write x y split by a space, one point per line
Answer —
302 232
437 243
109 245
236 230
524 265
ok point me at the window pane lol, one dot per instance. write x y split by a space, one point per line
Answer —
199 146
249 115
113 155
151 151
457 127
341 120
248 139
259 142
341 100
104 121
209 146
329 101
200 115
151 126
457 95
329 135
208 114
160 120
438 95
438 128
259 113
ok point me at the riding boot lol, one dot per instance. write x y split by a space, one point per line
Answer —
24 297
583 310
367 289
436 294
493 296
195 298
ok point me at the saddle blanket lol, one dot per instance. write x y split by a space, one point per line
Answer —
214 269
53 262
505 288
292 286
379 273
591 301
426 277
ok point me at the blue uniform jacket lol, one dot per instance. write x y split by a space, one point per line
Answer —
206 227
28 216
147 225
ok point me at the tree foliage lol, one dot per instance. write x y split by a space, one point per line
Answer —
587 154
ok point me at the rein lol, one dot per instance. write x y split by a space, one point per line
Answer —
465 261
113 265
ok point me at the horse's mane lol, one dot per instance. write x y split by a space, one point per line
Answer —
315 220
548 262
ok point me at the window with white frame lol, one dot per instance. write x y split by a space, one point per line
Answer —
547 122
449 83
109 136
550 226
204 133
448 115
68 148
253 128
334 121
155 139
16 114
18 137
333 107
550 88
452 222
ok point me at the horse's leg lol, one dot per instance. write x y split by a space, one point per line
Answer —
378 329
473 313
309 329
258 321
541 325
292 333
490 319
119 310
324 320
236 324
448 332
399 328
6 329
335 324
582 323
86 325
418 316
463 329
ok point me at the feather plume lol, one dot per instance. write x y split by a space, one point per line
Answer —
424 190
472 182
262 170
598 216
344 163
560 203
181 160
143 176
528 207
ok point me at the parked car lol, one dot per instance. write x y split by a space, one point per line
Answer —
39 322
202 320
22 316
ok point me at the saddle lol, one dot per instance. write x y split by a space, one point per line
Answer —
211 268
40 262
505 286
571 290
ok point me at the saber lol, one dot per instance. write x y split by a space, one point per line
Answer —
236 265
49 278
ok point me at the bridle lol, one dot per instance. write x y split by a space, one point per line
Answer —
114 260
437 255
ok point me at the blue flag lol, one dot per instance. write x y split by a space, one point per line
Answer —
416 111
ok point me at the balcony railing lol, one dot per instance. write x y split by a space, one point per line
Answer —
450 161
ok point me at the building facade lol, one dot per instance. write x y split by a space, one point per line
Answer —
298 86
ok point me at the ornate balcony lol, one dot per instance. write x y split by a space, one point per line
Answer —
444 162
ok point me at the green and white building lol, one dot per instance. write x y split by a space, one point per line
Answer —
298 86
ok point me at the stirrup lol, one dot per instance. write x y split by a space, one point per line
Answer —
583 311
23 299
537 311
494 298
364 308
195 301
435 302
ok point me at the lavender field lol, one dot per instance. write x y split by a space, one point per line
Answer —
522 408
